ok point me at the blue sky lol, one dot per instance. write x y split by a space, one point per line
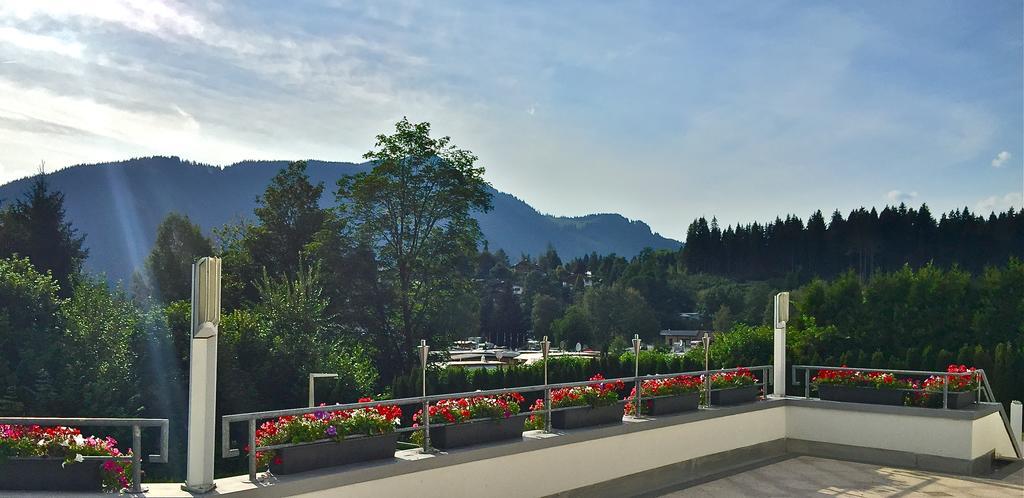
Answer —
661 111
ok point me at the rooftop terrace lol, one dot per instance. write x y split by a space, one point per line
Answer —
766 446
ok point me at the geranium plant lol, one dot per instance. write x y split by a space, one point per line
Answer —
850 378
597 394
728 380
664 387
965 379
67 443
457 411
325 426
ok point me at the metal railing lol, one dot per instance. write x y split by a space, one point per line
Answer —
984 389
135 423
253 418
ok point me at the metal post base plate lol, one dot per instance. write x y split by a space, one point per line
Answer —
198 489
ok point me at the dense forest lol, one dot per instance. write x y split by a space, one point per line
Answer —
351 289
865 241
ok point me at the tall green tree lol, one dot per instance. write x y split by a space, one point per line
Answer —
546 310
179 243
289 216
34 227
618 312
414 208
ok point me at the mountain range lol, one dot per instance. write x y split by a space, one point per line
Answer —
118 206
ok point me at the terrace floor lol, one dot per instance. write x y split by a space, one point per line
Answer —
811 476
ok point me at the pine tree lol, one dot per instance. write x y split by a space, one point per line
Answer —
34 227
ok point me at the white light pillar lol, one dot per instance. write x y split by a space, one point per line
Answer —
202 383
779 365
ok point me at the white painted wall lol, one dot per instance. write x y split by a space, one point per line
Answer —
925 435
989 432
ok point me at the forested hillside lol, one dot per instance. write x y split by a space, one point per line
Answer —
118 206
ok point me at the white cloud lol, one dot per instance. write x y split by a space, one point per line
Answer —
900 196
41 43
1000 159
1000 203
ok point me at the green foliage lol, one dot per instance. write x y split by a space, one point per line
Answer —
179 243
546 310
103 328
286 336
34 228
618 311
722 320
30 332
289 217
574 327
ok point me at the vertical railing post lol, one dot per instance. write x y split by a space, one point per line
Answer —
545 351
636 376
424 353
136 460
706 340
312 387
945 391
807 383
252 450
978 378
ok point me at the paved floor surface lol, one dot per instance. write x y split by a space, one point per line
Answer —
821 477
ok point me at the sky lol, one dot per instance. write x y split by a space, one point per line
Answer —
661 111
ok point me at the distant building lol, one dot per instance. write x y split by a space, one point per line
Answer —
524 266
517 290
682 340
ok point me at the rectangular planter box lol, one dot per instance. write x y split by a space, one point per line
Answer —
665 405
476 432
735 396
869 395
332 454
47 474
955 400
586 416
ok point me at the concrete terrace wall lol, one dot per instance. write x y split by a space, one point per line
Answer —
662 451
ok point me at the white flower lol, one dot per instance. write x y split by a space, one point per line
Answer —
79 458
79 440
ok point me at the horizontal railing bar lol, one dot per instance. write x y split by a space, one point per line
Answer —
238 417
89 422
253 417
889 370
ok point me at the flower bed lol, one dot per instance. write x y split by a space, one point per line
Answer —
340 436
582 406
732 388
51 459
881 388
665 396
469 421
960 393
